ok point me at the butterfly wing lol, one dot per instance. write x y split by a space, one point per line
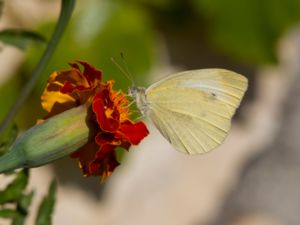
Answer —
193 109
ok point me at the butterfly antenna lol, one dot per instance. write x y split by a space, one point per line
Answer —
125 64
130 104
124 70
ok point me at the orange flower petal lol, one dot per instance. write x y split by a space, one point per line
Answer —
70 88
52 99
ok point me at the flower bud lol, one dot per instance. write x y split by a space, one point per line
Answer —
53 139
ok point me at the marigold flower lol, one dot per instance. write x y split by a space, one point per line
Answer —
108 117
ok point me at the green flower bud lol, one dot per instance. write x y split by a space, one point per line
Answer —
53 139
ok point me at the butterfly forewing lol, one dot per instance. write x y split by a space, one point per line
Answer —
193 109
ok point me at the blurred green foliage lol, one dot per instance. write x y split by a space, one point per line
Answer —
14 190
246 30
8 137
47 206
98 32
249 30
22 209
15 201
10 90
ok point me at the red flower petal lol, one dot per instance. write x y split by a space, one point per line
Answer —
86 154
69 88
133 133
99 107
74 65
105 161
107 138
90 72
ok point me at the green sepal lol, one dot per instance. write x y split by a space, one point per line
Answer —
53 139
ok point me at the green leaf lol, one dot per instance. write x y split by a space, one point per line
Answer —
13 193
24 203
19 219
44 216
14 190
20 38
22 209
8 213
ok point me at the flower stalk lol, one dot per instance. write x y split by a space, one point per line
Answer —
67 7
53 139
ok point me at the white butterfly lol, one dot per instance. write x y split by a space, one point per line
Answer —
193 109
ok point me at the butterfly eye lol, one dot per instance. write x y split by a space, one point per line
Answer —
132 91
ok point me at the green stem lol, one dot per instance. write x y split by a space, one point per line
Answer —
67 7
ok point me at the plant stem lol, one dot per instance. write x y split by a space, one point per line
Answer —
67 7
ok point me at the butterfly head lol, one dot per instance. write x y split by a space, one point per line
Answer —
139 96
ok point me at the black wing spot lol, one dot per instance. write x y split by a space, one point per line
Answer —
212 96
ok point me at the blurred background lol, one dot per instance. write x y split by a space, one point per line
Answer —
253 178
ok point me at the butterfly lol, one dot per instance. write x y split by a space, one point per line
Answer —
192 109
